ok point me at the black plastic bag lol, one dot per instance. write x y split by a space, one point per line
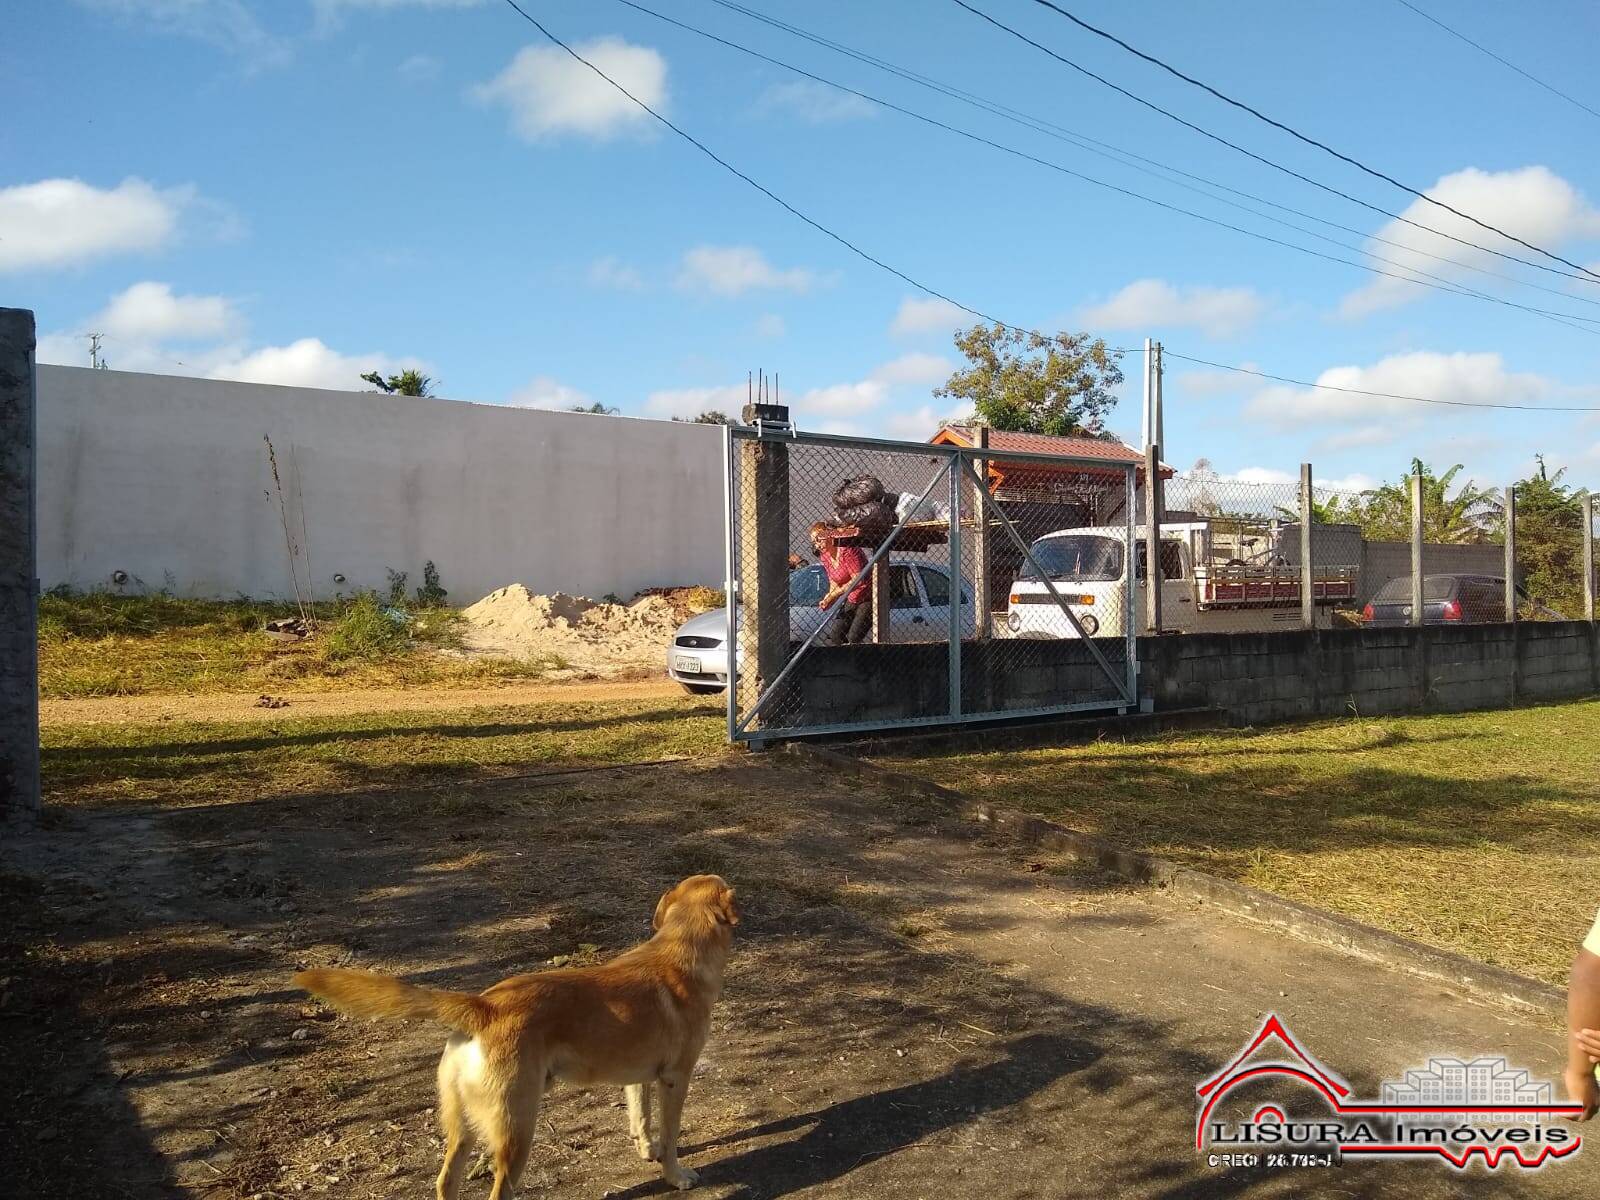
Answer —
863 489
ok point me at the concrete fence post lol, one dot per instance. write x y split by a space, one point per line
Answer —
1511 554
1308 599
1588 557
1154 509
19 583
982 576
1416 549
764 523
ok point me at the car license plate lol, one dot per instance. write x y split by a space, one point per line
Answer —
687 664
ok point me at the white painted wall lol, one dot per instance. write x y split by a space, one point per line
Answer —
166 478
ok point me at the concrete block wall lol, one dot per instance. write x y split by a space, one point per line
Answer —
1256 678
166 479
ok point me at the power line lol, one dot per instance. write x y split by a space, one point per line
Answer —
1439 282
854 249
1308 140
1250 154
1328 387
765 191
1503 62
1082 141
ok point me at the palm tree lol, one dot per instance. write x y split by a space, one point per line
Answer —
1470 515
407 383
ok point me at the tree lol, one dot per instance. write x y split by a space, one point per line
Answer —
1323 512
1472 514
1027 383
1550 540
710 417
597 408
407 383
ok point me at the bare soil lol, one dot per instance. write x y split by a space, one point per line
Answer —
909 1012
247 706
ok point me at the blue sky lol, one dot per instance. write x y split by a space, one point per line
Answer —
298 191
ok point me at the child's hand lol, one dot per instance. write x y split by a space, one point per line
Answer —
1582 1089
1589 1042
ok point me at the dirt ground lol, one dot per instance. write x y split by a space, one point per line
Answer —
245 706
909 1012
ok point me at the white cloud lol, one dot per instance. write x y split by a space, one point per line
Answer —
548 93
544 392
151 312
734 270
770 325
691 402
229 24
1478 378
66 222
1532 202
613 273
914 370
927 315
418 68
922 423
841 399
1149 303
309 363
815 103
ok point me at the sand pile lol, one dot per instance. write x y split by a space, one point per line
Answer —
591 637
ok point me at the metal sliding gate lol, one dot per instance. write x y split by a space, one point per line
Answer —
968 583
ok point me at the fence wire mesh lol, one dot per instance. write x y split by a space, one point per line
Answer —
887 584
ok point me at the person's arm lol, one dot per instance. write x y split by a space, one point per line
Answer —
1583 1028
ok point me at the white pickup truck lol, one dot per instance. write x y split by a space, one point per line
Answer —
1205 587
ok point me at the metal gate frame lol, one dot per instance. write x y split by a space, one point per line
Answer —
959 468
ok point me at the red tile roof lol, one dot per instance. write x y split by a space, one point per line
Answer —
1042 443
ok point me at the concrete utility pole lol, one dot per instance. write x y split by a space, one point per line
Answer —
19 587
1151 428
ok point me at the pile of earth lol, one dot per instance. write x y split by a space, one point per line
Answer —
587 637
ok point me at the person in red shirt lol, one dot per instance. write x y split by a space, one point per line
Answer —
851 621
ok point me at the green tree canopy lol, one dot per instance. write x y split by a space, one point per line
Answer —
1028 383
597 408
1550 540
710 417
406 383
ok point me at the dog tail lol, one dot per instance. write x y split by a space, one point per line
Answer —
368 994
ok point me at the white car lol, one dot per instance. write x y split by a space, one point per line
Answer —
919 611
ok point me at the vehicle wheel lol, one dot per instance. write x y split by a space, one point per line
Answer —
701 689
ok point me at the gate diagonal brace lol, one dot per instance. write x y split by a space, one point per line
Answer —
985 501
828 612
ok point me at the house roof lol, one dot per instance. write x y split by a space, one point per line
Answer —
1043 443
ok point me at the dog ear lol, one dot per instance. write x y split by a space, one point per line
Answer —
726 909
661 908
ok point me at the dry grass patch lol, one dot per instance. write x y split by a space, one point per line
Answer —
1477 832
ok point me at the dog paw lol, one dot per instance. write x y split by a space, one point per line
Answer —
649 1149
681 1178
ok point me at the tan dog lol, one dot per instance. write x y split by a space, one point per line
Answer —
639 1020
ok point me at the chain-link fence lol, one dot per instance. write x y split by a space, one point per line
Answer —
986 575
880 584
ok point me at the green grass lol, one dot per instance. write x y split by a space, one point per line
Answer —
98 644
179 763
1479 832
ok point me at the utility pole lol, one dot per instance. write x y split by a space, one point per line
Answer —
1158 426
95 360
